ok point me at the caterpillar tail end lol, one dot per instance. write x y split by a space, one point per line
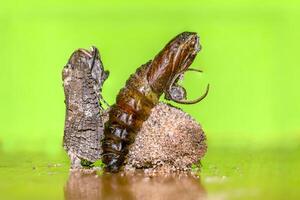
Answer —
111 164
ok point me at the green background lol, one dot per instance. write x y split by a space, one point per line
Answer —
250 58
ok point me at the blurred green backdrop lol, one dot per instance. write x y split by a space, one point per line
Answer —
250 57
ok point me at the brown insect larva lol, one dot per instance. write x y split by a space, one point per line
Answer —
142 92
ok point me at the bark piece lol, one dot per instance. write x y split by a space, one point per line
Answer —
83 77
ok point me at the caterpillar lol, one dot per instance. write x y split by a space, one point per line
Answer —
142 92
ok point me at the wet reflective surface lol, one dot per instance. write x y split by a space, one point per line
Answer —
227 174
138 186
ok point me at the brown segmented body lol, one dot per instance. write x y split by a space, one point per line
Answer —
142 92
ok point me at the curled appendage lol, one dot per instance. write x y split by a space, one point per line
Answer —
178 93
195 100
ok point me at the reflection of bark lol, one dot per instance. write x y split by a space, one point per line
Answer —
82 186
116 186
83 77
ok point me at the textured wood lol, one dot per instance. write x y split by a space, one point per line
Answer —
83 77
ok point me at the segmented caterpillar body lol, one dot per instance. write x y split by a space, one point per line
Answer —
142 92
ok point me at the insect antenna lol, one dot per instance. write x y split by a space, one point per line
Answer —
195 70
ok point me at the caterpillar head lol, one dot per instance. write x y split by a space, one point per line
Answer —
171 63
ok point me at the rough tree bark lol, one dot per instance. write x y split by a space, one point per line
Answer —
83 77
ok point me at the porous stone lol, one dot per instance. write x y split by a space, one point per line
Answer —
170 140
